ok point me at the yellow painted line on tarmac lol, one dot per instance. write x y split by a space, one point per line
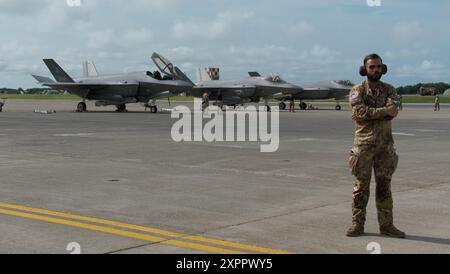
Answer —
145 229
119 232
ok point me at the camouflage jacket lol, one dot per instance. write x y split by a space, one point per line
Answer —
373 124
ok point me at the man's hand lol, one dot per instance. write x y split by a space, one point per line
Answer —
392 110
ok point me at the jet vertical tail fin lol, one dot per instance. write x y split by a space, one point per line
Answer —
57 72
254 74
208 74
89 69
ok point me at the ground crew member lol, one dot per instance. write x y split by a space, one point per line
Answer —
1 105
373 108
292 104
205 102
437 106
400 102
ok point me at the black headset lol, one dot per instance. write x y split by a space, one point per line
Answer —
363 70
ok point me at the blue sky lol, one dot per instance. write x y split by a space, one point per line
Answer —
302 40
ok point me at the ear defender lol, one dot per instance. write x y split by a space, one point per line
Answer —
363 71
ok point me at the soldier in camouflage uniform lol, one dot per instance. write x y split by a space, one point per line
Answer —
373 108
205 103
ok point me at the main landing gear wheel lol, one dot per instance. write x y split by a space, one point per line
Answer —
121 108
81 107
153 109
282 106
303 106
338 107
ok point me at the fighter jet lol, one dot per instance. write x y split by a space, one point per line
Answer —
249 90
337 89
120 89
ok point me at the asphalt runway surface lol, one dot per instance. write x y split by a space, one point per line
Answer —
107 182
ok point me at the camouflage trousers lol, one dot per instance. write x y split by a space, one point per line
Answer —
383 160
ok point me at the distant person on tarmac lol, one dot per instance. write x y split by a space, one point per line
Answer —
437 106
400 102
205 103
1 105
292 104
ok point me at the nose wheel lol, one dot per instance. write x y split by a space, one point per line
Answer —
153 109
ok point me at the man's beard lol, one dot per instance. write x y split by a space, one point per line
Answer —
374 77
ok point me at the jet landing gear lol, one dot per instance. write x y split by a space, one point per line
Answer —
81 107
266 106
338 106
282 105
303 106
121 108
152 106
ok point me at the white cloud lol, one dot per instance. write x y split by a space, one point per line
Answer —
217 27
323 55
300 29
429 65
407 31
22 7
108 39
182 52
426 68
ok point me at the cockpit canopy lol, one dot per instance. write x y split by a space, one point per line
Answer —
274 78
345 82
164 65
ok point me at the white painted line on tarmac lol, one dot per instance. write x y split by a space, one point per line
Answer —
73 135
403 134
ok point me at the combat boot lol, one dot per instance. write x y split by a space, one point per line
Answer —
391 231
386 221
356 230
358 221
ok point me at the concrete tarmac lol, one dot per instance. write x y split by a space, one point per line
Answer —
149 194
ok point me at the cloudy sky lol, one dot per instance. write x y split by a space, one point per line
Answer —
302 40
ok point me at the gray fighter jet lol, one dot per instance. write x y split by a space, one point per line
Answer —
335 89
250 90
120 89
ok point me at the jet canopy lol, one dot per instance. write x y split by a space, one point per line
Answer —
345 82
164 65
274 78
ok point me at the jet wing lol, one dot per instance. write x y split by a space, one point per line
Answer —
230 90
332 92
82 89
316 89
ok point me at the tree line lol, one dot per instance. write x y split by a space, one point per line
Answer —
440 87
